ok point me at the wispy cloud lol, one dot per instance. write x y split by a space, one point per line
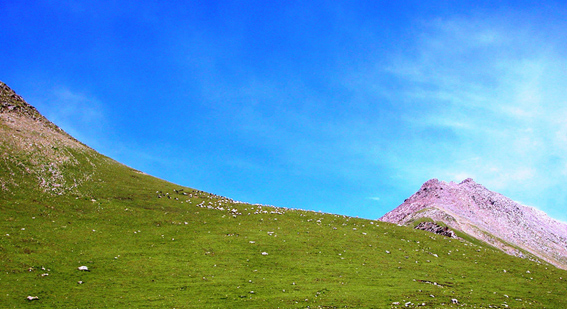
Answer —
495 87
77 105
78 114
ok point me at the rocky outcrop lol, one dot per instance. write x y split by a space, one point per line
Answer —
436 228
489 216
10 102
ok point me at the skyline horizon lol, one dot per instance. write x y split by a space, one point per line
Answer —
345 107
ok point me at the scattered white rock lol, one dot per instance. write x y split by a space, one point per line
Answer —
83 268
264 253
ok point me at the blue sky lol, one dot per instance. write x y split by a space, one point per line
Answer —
344 107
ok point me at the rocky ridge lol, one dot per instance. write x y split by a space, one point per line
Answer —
489 216
12 102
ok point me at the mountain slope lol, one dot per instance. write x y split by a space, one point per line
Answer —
151 243
35 152
471 208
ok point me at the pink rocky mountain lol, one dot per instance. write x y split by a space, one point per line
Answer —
488 216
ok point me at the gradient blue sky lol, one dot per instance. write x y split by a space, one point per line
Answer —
341 106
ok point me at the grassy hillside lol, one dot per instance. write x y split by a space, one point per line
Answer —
150 243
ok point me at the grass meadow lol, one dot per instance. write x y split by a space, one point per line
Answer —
149 243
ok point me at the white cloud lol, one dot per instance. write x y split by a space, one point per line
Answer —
485 96
80 115
67 104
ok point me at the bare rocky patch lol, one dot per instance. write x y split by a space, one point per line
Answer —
34 148
436 228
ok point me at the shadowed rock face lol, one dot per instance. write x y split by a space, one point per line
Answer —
488 216
436 228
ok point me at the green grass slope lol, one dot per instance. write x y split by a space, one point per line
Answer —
149 243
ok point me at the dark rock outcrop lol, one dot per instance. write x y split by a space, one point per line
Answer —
436 228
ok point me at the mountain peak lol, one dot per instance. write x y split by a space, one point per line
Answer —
431 183
468 180
22 116
486 215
